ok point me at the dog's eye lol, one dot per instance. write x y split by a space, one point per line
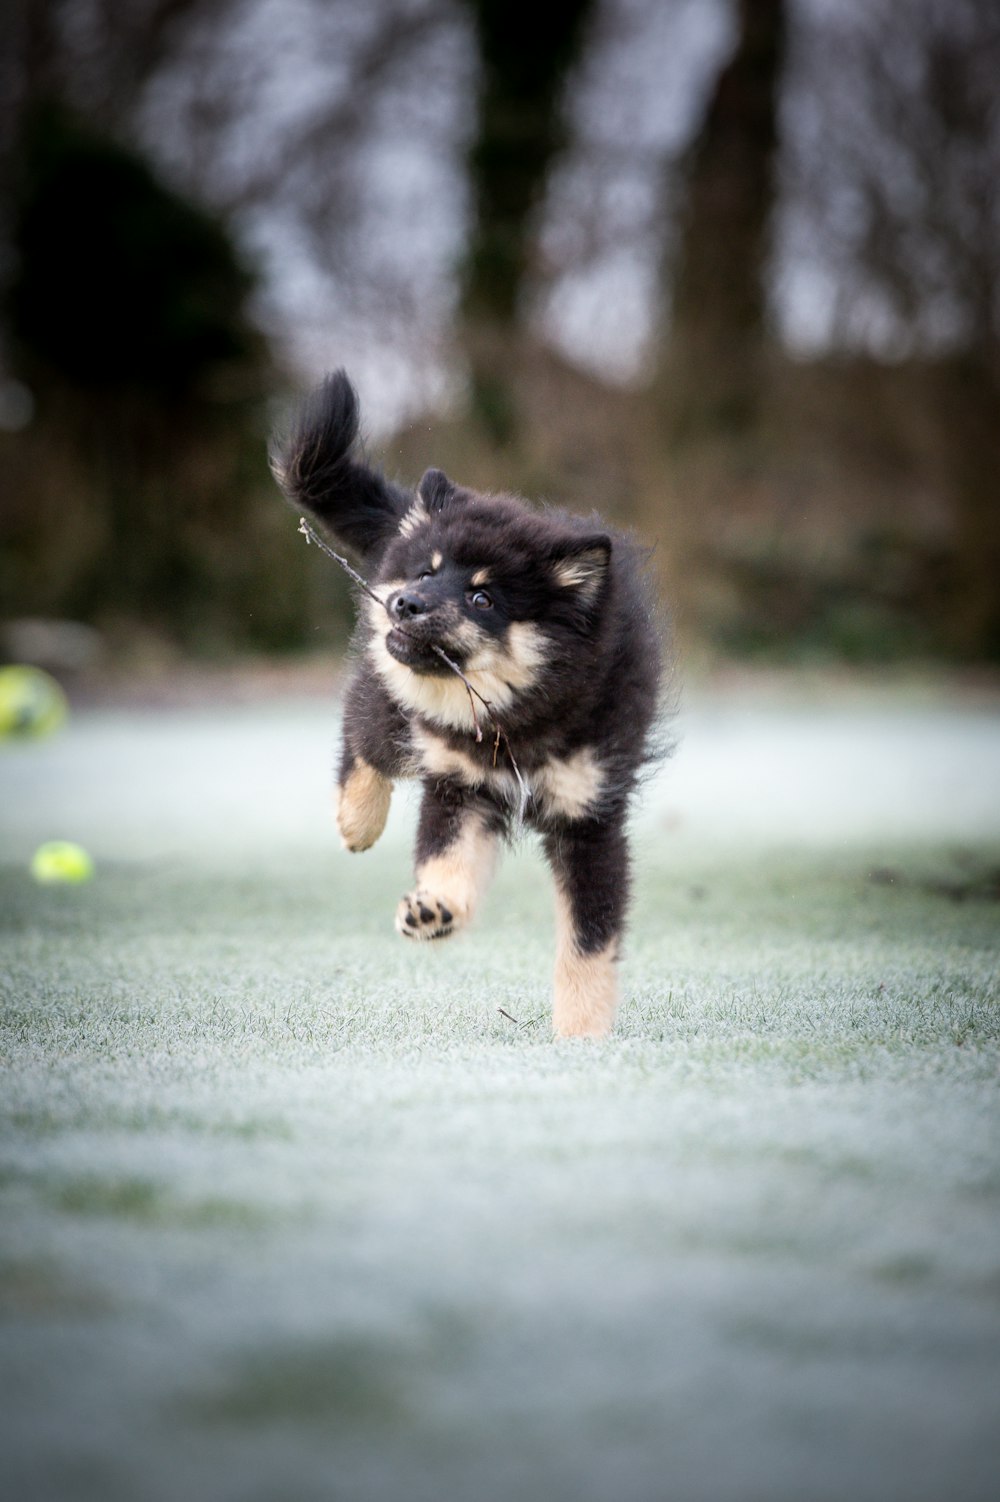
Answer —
428 573
480 599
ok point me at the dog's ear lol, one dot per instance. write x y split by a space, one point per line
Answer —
581 563
436 490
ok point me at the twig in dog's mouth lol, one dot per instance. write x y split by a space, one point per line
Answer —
311 535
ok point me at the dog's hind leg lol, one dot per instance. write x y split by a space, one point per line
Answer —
455 858
589 860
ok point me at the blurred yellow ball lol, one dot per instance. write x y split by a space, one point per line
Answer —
60 861
31 703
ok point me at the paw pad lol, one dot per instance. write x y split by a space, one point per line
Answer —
421 916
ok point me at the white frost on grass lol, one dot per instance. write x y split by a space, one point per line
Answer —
287 1210
830 775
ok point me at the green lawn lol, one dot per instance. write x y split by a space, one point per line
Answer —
290 1210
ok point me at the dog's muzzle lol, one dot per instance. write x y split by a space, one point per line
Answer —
412 637
405 605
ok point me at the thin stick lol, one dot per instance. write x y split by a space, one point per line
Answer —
440 652
311 535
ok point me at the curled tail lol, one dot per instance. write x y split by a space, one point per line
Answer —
314 467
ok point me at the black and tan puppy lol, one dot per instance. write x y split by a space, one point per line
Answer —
548 619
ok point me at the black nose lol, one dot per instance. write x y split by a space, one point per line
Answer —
405 605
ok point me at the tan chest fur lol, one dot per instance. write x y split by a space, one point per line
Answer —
497 671
567 787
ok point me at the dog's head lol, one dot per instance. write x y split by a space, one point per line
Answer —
503 593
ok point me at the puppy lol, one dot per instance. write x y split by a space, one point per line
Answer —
547 618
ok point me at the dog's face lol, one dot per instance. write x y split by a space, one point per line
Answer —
500 591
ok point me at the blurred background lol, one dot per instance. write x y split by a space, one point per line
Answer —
726 270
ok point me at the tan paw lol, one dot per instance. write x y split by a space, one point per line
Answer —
362 806
423 916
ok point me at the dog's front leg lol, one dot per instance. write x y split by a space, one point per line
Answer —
589 861
363 797
455 857
372 755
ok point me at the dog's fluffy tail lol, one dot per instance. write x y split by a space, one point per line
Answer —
314 466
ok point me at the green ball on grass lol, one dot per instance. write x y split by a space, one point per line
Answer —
61 863
32 704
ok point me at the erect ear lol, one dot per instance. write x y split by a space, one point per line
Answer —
581 563
435 490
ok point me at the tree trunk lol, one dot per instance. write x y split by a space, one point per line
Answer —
719 305
526 51
967 407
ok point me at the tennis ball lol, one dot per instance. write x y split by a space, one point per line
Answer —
61 862
31 703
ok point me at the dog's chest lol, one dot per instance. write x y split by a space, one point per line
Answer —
566 787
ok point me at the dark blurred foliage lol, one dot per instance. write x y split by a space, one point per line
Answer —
855 503
134 487
438 171
120 284
898 163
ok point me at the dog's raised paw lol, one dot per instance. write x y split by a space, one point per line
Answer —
362 806
423 916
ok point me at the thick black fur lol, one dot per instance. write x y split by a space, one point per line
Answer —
550 618
314 467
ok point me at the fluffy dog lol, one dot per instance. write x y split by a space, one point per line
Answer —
548 619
